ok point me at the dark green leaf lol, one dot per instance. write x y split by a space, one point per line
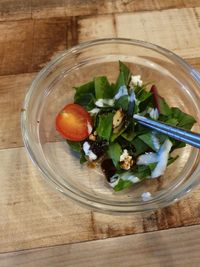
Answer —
125 70
86 100
141 93
147 139
152 166
172 121
140 146
164 108
102 87
114 152
104 128
124 76
143 174
82 158
122 102
86 88
122 184
185 121
172 159
116 135
130 133
75 146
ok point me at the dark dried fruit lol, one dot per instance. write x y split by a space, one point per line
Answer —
98 147
108 169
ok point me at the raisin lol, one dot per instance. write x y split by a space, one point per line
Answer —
98 147
108 169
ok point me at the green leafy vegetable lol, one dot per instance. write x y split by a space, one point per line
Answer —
114 152
129 134
75 146
164 108
147 139
124 76
122 184
122 102
140 147
86 100
85 95
102 88
87 88
104 128
82 158
184 120
142 94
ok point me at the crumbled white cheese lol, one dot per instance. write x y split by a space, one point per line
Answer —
126 160
94 111
128 176
163 155
136 80
155 141
147 158
146 196
122 92
114 180
88 152
153 113
132 97
89 128
104 102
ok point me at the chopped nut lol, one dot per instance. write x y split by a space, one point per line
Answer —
92 137
126 161
126 164
118 118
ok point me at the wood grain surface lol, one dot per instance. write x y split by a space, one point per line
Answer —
169 248
32 215
27 9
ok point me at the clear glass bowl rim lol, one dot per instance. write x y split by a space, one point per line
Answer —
164 199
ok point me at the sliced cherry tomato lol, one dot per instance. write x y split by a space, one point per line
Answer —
74 123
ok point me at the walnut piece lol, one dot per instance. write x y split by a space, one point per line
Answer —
118 118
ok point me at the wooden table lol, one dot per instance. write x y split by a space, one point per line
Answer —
37 226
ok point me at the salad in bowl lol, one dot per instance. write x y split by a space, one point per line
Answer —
100 127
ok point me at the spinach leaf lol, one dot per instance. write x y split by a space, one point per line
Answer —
102 88
116 135
104 128
82 157
86 88
185 121
124 75
164 108
75 146
122 102
141 172
85 95
172 121
86 100
172 159
122 184
147 139
140 147
129 133
141 93
114 152
152 166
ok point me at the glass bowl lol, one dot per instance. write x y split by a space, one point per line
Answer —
53 88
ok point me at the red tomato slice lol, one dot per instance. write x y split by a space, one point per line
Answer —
74 123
